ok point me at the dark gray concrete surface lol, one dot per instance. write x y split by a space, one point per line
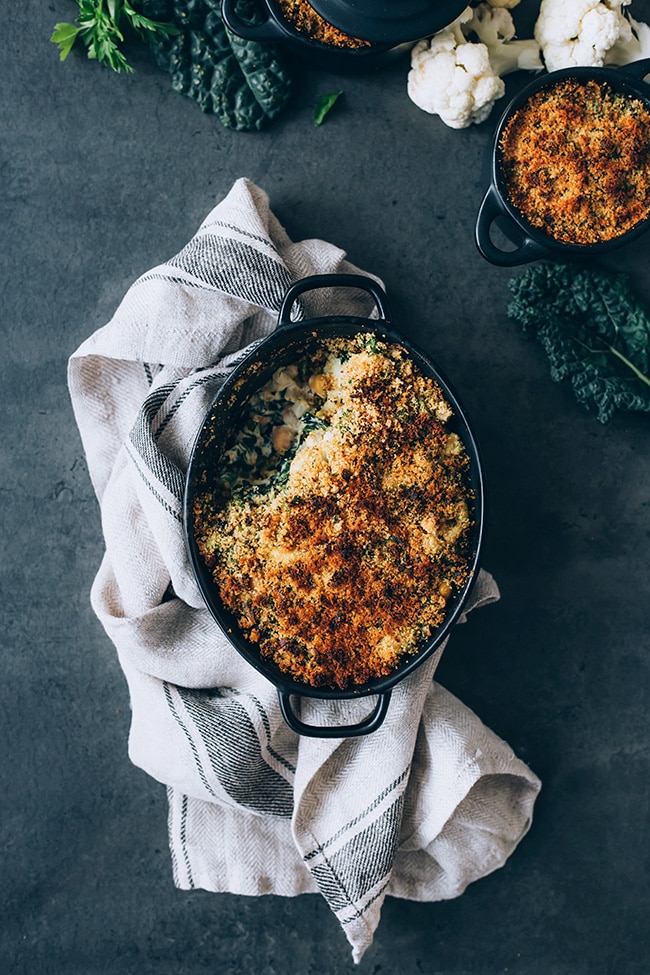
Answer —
101 178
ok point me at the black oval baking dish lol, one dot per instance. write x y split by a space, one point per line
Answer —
288 342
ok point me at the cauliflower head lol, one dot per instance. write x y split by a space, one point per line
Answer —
580 32
493 25
457 74
454 81
633 43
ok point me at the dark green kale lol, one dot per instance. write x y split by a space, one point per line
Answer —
594 330
244 83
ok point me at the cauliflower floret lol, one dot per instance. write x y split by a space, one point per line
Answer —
454 81
457 75
633 43
581 32
493 25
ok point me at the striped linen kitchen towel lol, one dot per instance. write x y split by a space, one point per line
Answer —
425 805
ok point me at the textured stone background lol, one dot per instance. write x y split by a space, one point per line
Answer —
101 178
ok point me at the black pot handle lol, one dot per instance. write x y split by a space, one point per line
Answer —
266 30
637 69
526 250
365 727
315 281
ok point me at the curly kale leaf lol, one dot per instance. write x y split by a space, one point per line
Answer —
595 333
244 83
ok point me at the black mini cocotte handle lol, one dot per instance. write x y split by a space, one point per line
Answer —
266 30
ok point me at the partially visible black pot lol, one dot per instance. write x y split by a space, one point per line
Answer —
531 243
276 29
390 21
289 341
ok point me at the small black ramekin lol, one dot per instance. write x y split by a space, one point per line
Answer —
276 29
531 243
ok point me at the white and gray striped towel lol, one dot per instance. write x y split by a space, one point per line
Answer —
427 804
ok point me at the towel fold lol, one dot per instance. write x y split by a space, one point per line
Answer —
425 805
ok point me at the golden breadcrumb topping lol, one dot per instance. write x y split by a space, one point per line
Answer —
340 546
302 16
576 161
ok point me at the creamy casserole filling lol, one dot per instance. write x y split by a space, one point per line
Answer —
336 525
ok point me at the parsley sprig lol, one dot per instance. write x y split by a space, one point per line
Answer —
100 26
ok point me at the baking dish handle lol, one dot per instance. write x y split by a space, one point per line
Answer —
267 30
526 249
637 69
315 281
365 727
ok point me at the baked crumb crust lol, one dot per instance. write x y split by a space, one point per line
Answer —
350 563
576 161
303 18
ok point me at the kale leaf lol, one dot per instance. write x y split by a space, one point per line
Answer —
244 83
594 330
